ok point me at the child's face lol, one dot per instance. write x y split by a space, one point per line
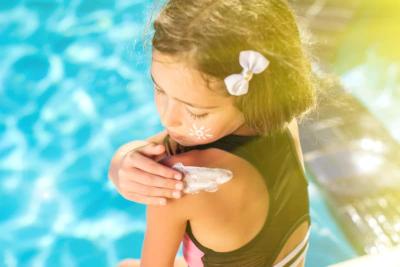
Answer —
191 112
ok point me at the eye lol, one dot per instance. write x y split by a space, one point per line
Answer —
193 115
197 116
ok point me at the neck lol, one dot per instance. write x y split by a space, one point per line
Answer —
244 130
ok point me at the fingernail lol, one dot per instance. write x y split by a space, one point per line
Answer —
176 194
178 176
179 186
163 202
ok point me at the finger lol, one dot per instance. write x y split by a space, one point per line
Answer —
132 179
142 162
151 149
127 187
145 178
148 149
145 199
186 158
156 152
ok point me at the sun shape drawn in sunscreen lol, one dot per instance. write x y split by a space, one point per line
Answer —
200 133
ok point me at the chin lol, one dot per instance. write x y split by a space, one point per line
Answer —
188 142
184 142
179 140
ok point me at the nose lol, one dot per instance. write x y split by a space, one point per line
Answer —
171 116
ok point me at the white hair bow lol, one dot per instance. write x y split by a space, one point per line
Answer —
252 62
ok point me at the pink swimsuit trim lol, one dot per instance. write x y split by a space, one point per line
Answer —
191 252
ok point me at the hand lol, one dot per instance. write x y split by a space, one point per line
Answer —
140 178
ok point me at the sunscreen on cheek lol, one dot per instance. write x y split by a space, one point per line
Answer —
201 133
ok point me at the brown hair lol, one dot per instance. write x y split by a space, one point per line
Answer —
209 34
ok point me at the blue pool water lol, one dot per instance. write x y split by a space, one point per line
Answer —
73 88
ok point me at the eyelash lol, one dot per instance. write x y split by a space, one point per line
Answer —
195 116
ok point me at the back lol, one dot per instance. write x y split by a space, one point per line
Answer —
282 191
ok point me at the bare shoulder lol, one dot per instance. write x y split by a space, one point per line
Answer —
222 215
246 178
244 173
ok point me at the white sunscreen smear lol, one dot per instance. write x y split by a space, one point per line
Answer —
197 179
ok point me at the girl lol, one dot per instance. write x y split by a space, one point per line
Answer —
230 78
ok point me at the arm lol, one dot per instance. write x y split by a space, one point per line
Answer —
166 224
164 232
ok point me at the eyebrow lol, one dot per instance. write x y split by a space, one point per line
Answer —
187 103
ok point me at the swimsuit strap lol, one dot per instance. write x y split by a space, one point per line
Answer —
298 251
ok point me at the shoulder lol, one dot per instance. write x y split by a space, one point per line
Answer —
245 177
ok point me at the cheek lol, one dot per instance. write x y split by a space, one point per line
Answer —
200 131
216 126
208 129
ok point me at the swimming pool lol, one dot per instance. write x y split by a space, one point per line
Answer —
73 88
